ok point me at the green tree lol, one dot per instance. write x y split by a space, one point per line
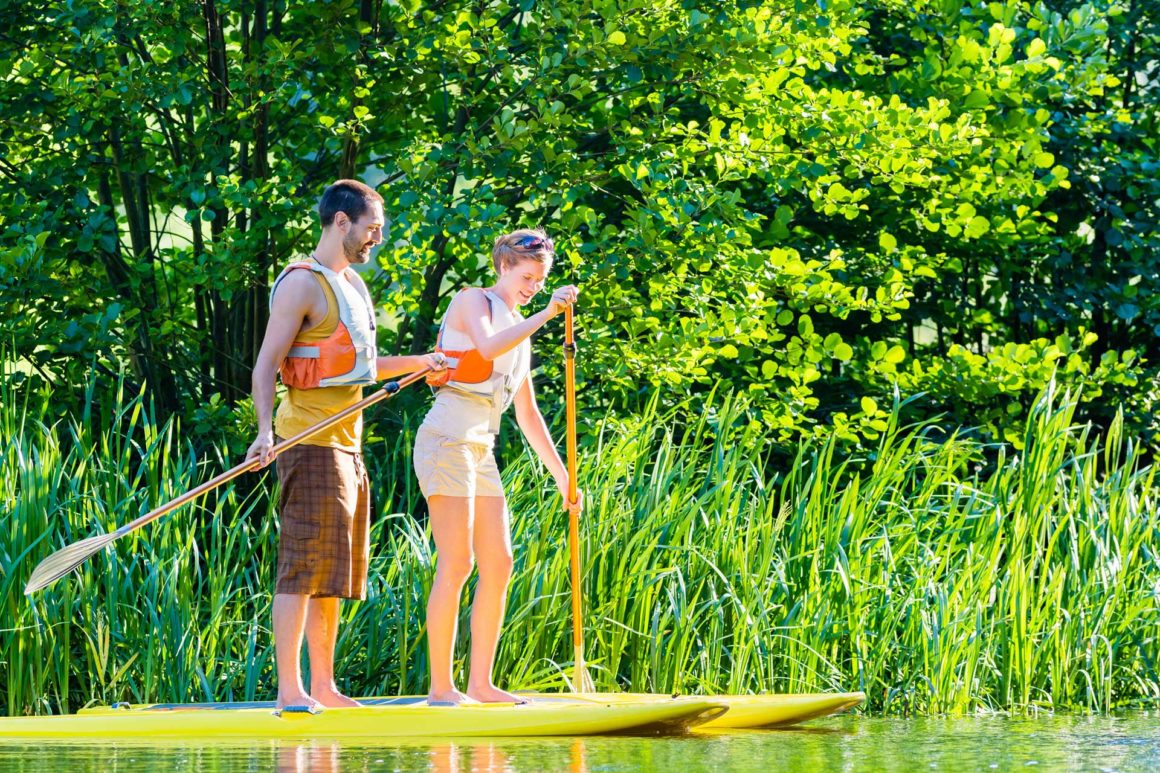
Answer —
813 202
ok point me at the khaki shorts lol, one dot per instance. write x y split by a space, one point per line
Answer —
324 511
454 468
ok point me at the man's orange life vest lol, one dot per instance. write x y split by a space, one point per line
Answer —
347 356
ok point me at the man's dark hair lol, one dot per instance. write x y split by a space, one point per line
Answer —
349 196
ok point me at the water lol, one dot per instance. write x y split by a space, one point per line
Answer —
1130 743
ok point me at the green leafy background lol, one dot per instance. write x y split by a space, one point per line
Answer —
815 204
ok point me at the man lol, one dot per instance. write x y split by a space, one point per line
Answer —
321 338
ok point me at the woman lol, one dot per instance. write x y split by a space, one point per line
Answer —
486 341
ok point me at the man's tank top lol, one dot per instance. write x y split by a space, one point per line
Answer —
303 408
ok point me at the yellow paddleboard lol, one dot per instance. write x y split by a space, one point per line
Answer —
745 711
385 717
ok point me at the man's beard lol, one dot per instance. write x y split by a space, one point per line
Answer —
354 250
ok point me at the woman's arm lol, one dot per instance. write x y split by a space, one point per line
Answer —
532 424
471 314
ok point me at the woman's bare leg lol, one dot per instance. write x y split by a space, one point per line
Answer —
451 525
493 554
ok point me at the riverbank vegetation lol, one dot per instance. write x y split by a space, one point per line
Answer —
934 573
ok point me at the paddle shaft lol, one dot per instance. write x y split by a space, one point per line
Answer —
387 390
573 517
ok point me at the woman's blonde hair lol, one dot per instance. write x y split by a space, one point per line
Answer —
522 244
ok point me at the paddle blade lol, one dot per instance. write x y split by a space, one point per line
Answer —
65 560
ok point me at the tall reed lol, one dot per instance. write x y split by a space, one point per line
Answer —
936 575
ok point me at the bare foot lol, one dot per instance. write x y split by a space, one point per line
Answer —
333 699
489 693
450 697
295 698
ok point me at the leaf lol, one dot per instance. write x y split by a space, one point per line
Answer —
887 242
895 354
1036 48
1127 311
978 226
617 38
843 352
869 406
977 98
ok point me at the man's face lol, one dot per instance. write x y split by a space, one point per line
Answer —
363 234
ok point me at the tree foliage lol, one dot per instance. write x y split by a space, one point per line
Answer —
817 203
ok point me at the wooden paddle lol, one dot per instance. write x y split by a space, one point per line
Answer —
68 558
582 681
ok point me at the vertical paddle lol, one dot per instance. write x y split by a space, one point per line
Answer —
581 681
68 558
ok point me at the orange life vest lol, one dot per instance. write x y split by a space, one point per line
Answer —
468 371
467 366
347 356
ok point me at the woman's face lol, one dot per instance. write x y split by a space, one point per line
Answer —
524 279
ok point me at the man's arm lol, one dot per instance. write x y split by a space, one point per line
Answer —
389 367
292 304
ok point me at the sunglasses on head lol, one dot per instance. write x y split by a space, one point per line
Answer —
532 242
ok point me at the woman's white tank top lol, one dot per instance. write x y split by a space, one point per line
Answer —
471 412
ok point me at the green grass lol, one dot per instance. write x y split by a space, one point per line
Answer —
936 575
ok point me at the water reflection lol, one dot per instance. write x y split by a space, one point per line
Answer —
439 757
842 744
309 758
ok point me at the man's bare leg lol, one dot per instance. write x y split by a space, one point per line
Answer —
321 635
493 555
451 525
289 615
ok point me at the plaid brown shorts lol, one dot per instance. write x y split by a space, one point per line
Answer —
325 514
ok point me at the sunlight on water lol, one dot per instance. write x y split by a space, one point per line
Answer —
843 744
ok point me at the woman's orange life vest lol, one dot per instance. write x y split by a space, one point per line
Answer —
468 372
467 369
466 366
347 356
